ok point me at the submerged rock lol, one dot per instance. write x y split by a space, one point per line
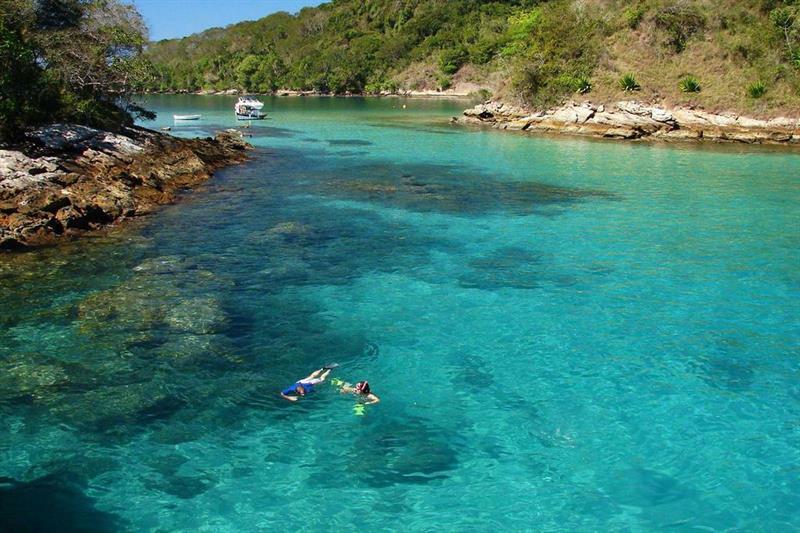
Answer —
200 316
139 304
28 376
118 409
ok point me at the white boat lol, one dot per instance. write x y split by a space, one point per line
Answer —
251 101
247 112
186 117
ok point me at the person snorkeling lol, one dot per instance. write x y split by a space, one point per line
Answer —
306 385
362 390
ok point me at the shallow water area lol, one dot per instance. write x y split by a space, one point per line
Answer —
565 335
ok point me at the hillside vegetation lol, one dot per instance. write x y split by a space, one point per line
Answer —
719 54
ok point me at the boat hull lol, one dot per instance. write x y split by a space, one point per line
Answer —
252 116
186 117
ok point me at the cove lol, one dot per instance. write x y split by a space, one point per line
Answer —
565 335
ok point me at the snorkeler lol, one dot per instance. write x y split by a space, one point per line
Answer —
306 385
363 391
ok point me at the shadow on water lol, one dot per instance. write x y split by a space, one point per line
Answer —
51 503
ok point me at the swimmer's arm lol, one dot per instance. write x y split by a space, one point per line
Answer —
371 398
290 398
346 389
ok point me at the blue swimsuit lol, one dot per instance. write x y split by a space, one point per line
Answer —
309 388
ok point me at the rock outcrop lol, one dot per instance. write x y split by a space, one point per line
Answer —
71 179
634 120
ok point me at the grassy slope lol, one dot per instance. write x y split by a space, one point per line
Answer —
525 51
737 47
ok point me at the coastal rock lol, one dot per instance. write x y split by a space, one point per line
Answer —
73 178
783 123
489 111
518 124
573 114
636 120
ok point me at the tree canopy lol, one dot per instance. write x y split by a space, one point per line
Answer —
71 60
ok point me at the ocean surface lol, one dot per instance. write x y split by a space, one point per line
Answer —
565 334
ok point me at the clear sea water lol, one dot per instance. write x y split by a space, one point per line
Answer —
566 335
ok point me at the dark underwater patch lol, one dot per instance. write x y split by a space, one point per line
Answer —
450 189
270 131
183 487
723 373
724 366
52 503
435 129
407 453
506 267
349 142
642 487
350 153
472 373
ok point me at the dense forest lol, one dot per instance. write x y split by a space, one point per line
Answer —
69 60
718 53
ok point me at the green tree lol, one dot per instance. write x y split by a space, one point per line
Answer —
76 60
25 96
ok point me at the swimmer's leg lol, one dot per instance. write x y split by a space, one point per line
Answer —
314 375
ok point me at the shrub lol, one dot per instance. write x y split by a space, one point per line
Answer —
373 87
680 22
633 16
796 58
483 52
562 45
628 83
483 94
782 17
451 60
689 84
756 89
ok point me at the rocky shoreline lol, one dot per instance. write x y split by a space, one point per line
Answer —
68 180
634 120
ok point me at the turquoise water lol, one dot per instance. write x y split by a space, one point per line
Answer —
565 335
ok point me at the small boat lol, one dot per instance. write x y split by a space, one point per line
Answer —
246 112
251 101
186 117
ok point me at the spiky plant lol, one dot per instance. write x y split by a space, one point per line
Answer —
689 84
756 89
628 83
